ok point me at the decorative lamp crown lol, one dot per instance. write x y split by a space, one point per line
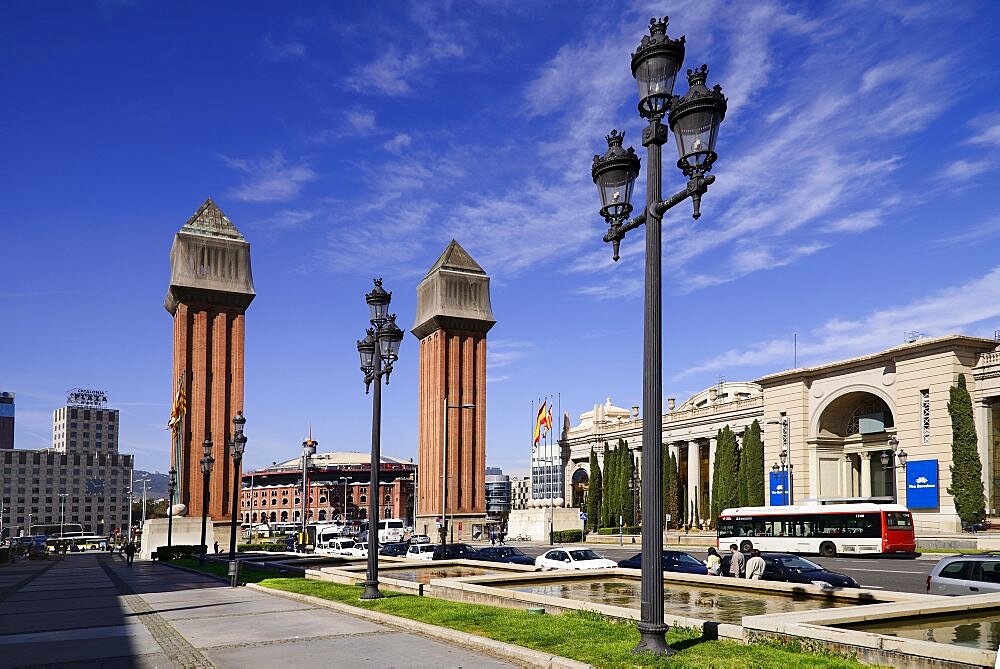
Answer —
378 301
654 65
695 119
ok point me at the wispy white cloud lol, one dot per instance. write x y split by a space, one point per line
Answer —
964 169
361 120
271 179
504 352
274 50
288 219
987 131
958 308
399 142
976 233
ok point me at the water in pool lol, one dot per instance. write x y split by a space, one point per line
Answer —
972 629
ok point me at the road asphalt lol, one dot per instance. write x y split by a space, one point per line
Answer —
90 610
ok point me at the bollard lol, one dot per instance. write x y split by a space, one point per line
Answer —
234 573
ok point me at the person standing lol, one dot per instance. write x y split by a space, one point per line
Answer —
714 562
736 561
755 566
129 553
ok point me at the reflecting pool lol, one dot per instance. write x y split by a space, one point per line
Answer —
427 574
969 628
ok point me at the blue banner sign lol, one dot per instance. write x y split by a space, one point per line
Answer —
780 494
922 490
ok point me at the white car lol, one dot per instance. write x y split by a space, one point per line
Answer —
357 550
339 546
420 539
572 558
420 551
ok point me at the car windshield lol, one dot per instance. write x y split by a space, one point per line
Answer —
799 564
684 558
585 554
509 552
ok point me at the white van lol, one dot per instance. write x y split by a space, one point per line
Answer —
327 534
420 551
390 530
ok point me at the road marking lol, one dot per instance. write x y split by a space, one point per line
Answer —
881 571
873 587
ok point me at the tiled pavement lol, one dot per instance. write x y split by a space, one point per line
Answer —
92 610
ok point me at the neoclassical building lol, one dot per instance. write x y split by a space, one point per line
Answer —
843 428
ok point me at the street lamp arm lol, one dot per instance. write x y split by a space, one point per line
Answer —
696 187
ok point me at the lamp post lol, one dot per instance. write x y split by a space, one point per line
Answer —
62 514
889 458
694 120
380 346
445 525
344 480
308 450
171 489
238 445
207 462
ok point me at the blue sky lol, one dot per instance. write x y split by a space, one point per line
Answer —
855 197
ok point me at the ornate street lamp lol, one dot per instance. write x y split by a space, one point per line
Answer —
207 462
238 445
378 350
171 489
694 120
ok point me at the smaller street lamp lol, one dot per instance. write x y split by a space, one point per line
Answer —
171 489
207 463
238 445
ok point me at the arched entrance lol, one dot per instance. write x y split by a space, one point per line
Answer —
581 482
851 437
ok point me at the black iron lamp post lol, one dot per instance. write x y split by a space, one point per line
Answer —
238 446
171 489
889 459
378 350
207 462
694 120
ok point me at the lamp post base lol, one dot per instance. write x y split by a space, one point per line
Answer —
653 639
371 591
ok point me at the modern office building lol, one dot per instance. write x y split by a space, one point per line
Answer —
828 430
6 420
497 494
81 479
336 481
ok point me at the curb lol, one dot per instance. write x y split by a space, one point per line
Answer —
523 656
507 651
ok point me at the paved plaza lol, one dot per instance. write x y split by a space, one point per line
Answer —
92 610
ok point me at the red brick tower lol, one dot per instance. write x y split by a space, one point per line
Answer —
211 286
453 317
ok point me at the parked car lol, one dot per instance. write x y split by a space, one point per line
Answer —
508 554
420 551
420 539
573 558
795 569
359 550
454 552
965 575
678 561
394 549
339 546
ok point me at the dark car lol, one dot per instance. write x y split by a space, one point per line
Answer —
507 554
796 569
678 561
454 552
394 549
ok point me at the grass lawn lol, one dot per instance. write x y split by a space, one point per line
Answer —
583 636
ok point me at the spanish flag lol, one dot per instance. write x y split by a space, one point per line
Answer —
540 422
178 410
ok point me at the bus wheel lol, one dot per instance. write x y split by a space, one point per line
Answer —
827 549
746 546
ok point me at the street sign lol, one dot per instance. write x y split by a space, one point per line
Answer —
667 518
583 516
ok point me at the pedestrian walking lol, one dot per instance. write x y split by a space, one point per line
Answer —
129 553
493 538
736 561
216 546
714 562
755 565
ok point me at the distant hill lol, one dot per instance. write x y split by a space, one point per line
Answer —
157 486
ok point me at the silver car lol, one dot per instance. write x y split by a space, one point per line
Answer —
965 575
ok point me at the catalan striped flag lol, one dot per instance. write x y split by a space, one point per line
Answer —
178 410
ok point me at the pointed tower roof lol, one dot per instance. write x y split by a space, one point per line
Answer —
209 220
456 258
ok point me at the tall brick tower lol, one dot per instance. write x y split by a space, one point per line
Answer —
211 287
453 317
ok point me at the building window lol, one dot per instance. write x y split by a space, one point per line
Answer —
925 416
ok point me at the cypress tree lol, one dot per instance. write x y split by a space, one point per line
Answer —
966 469
606 501
751 488
725 477
665 481
628 472
594 494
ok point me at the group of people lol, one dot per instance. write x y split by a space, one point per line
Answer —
739 565
496 536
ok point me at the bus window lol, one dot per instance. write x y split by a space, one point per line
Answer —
898 520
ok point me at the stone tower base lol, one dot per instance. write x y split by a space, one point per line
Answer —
465 528
186 532
534 523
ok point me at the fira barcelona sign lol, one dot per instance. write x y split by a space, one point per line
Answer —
922 490
780 492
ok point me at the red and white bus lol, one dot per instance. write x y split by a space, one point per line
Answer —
829 530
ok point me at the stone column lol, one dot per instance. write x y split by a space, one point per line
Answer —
675 450
713 445
984 436
866 475
694 474
846 487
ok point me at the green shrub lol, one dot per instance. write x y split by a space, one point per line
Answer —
567 536
178 552
266 548
631 529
